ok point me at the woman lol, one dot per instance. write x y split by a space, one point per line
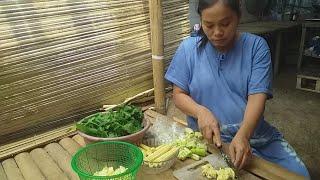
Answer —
222 79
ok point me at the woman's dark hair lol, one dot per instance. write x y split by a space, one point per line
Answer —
204 4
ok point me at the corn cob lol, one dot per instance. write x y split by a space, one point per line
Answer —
146 148
144 152
153 149
166 156
158 152
161 146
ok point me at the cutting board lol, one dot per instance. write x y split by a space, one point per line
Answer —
193 171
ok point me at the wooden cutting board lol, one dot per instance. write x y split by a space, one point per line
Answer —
193 171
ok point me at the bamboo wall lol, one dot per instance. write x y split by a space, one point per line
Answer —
61 60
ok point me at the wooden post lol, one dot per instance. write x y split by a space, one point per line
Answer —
156 27
277 53
301 48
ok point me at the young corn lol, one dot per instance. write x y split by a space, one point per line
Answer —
166 156
153 149
158 152
160 146
146 148
144 152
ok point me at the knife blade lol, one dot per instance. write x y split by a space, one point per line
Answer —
228 161
226 157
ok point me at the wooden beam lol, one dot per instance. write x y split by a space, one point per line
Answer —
277 53
157 48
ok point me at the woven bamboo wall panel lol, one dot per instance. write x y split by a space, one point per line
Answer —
61 60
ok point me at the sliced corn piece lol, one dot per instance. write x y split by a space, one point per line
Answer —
158 152
166 156
153 149
160 146
145 147
144 152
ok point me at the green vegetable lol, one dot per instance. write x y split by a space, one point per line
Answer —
109 171
222 174
184 153
198 135
195 157
188 131
123 121
199 151
191 145
209 172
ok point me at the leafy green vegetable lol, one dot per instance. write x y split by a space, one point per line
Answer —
122 121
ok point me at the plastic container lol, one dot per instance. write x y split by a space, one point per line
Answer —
135 138
157 167
95 157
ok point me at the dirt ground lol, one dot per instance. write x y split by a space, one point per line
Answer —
295 113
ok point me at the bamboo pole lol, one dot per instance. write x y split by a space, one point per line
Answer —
157 48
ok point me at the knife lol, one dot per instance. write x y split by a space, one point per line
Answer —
226 158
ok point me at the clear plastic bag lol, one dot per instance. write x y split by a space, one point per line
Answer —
165 131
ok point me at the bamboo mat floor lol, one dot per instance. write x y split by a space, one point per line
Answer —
51 162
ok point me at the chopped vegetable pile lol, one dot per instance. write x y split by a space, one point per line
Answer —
123 121
191 146
109 171
222 174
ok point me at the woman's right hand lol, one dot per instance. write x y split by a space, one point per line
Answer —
209 125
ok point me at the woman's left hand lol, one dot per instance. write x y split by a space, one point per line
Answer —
240 151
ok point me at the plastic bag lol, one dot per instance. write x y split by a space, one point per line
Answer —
165 131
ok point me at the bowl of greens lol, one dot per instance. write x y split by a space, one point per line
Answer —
125 123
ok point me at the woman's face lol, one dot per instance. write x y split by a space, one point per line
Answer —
219 23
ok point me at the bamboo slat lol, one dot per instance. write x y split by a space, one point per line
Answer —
28 168
62 158
79 140
34 141
61 61
69 145
47 165
11 169
3 175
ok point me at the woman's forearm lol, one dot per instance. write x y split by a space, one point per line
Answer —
185 103
254 111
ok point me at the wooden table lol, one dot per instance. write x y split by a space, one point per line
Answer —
52 162
278 28
168 175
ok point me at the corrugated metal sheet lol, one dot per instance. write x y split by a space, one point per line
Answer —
62 59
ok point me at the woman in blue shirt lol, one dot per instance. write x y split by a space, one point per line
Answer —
222 79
